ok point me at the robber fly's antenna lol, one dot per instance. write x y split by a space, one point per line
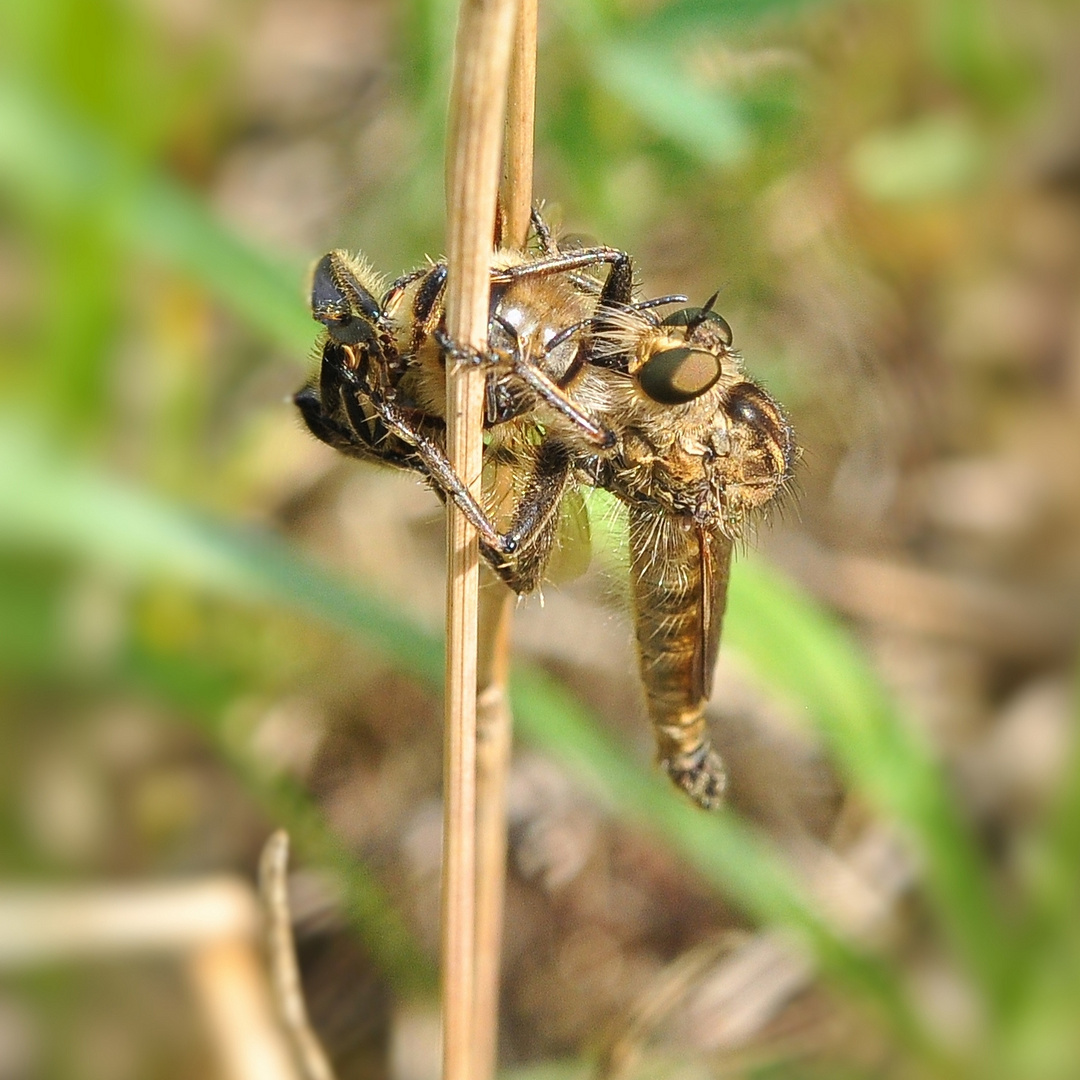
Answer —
702 315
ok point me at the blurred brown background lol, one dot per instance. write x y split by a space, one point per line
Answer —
887 195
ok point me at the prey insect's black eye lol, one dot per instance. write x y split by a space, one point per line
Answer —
329 304
676 376
694 317
352 331
342 304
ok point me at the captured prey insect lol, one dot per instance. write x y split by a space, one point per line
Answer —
584 385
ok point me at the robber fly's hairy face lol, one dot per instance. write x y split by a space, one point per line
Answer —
693 433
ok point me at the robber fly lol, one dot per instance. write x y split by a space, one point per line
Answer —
584 385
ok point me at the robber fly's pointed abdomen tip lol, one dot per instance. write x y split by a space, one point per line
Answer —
701 775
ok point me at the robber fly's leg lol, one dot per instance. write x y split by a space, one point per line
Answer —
437 467
425 455
543 234
575 366
659 301
551 393
618 290
559 263
617 294
535 521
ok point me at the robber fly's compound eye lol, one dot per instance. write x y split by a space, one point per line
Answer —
695 318
676 376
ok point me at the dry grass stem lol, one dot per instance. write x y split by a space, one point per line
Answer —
38 925
288 991
231 988
520 127
494 722
477 106
493 737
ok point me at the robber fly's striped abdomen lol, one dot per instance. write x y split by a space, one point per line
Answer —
679 580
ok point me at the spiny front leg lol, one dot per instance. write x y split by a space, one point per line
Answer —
546 388
532 479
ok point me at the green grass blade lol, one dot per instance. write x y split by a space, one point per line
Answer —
1048 989
656 85
46 504
698 16
804 653
59 168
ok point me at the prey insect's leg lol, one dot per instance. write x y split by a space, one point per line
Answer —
399 285
320 422
429 294
427 306
357 430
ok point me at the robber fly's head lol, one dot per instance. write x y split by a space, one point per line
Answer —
344 304
683 356
684 366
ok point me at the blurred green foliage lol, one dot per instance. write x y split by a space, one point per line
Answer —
137 322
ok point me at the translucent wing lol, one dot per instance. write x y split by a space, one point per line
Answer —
573 545
715 553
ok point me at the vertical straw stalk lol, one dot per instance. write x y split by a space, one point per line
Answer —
494 722
493 737
477 107
520 124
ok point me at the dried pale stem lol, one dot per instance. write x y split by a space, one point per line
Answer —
493 736
41 925
494 722
284 970
520 126
478 99
231 988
